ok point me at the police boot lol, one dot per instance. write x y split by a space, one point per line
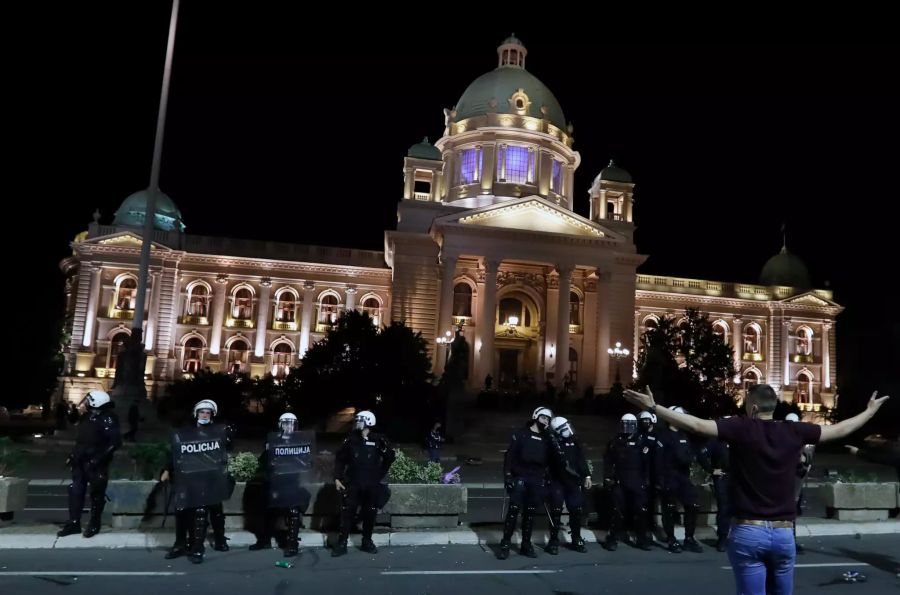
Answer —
644 541
575 526
368 525
555 520
691 545
509 527
93 526
180 547
610 543
198 538
70 528
292 541
690 525
217 520
340 548
525 547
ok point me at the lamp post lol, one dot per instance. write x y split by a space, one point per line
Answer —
618 353
446 340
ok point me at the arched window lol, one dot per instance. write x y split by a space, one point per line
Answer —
720 329
462 299
286 308
328 310
513 308
574 308
804 387
238 356
282 357
750 378
116 345
198 300
192 359
804 341
751 338
126 293
372 307
242 309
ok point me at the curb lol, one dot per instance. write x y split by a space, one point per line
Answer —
44 536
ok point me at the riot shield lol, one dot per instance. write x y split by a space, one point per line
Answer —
290 460
200 460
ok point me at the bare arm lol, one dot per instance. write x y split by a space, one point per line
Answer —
704 427
848 426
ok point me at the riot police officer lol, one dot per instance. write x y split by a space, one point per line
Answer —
525 468
627 474
567 484
287 460
714 458
199 454
98 438
647 430
360 465
678 455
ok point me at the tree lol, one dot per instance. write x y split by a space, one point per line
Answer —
230 392
686 363
358 365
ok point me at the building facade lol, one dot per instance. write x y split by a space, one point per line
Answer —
487 241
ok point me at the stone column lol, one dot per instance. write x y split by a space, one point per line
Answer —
153 315
562 323
737 343
306 319
786 351
262 316
604 281
488 317
90 320
215 341
445 317
351 298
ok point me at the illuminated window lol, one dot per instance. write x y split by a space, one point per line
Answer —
556 177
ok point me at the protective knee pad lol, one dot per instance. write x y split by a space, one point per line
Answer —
200 526
528 522
509 523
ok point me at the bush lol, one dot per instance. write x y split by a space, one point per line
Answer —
11 459
149 458
406 470
243 466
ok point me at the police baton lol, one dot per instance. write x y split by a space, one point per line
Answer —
549 516
169 494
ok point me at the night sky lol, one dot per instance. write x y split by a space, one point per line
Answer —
275 123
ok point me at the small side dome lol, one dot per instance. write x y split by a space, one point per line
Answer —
424 150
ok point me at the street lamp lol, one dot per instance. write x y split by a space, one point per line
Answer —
618 353
447 339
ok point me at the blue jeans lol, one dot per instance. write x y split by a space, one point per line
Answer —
754 550
434 455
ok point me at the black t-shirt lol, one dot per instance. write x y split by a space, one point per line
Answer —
764 456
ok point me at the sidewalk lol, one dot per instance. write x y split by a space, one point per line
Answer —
44 536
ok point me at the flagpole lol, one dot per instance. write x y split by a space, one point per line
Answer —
153 188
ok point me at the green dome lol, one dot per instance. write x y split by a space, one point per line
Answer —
612 173
499 85
786 269
424 150
134 209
